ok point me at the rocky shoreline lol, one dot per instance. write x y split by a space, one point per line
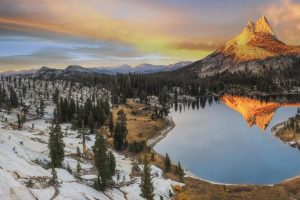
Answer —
278 132
161 134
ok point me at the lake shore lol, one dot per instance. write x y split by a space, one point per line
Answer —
194 184
195 187
286 134
161 134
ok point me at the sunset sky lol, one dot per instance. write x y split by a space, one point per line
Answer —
91 33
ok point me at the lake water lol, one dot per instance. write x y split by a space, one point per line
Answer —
216 144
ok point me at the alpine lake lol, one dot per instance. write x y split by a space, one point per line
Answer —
231 140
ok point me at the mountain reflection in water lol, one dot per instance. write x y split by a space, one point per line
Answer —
213 141
255 111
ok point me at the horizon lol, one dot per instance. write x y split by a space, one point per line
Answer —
112 66
103 34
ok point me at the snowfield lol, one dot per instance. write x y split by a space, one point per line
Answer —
24 157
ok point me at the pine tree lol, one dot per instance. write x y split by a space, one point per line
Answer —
100 115
101 161
106 107
71 110
56 146
83 132
152 156
298 113
59 112
56 96
111 124
122 117
91 122
179 171
69 169
111 164
78 169
292 123
19 121
167 163
78 151
146 182
42 108
297 128
118 137
120 134
14 102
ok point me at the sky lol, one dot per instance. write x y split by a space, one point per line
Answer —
98 33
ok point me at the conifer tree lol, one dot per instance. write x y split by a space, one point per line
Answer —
78 151
111 125
292 123
297 128
100 115
59 112
167 163
83 131
120 134
56 146
91 122
118 137
14 102
146 182
56 96
78 169
111 164
42 108
20 123
101 161
71 110
69 169
179 171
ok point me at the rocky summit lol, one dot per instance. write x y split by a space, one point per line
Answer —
255 49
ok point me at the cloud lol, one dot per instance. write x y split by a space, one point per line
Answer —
119 30
148 26
191 45
25 52
34 60
285 17
87 20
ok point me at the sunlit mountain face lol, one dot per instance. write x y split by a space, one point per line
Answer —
254 49
255 112
256 42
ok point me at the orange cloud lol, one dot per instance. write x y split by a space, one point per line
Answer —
286 19
203 45
146 26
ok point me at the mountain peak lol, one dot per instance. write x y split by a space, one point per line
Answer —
262 26
255 48
252 30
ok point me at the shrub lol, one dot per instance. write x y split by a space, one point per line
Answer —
137 147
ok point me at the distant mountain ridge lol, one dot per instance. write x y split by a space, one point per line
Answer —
254 49
142 68
17 72
46 72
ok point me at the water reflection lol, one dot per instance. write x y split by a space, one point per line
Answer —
217 144
255 111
